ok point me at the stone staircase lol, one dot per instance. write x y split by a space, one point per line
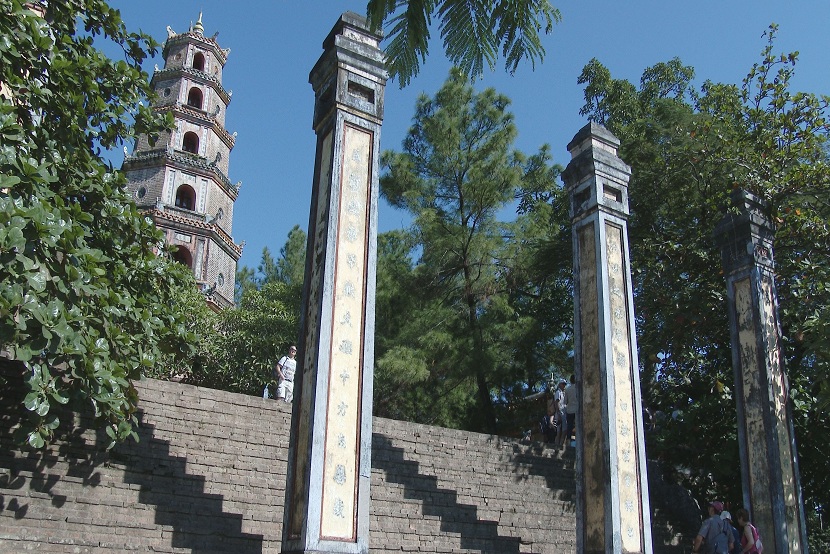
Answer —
208 475
440 490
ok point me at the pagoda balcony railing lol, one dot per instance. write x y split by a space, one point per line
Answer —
204 221
187 158
210 42
183 212
210 118
212 80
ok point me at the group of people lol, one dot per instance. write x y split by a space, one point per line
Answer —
720 535
283 372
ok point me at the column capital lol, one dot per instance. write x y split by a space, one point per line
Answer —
351 72
596 178
745 233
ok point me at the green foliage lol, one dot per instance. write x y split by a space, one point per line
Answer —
688 149
468 347
252 338
236 349
413 380
245 281
84 300
289 268
291 264
474 33
267 267
818 538
201 355
398 363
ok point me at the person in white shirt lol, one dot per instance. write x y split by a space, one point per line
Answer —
285 370
559 401
571 406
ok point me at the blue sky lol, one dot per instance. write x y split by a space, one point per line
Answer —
275 43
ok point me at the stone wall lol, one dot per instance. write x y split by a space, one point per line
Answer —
208 475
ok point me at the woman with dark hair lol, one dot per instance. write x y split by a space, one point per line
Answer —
750 541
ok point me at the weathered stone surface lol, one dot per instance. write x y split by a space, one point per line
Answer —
329 466
766 438
208 475
613 513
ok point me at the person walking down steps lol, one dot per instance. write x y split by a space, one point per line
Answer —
561 415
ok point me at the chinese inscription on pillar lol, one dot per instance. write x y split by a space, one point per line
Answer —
343 429
766 441
329 466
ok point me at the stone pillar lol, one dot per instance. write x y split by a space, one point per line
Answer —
329 466
612 487
769 468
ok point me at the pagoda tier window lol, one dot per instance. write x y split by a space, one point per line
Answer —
183 256
199 61
194 98
190 142
186 197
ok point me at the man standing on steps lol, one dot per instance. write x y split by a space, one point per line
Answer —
285 370
714 537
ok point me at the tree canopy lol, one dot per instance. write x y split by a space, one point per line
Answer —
689 148
235 349
85 301
494 304
474 34
468 347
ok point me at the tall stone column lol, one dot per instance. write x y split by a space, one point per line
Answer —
329 467
612 487
769 467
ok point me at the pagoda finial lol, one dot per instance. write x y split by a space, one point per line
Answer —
198 28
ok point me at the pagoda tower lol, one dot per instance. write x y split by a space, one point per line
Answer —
181 180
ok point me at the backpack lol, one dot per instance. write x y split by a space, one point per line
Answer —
721 543
736 539
548 428
758 545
